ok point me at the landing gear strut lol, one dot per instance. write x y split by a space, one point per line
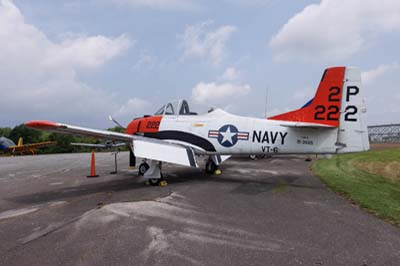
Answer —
152 173
211 167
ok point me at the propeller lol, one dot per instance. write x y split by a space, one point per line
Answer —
115 121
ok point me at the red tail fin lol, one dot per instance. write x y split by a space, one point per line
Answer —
324 108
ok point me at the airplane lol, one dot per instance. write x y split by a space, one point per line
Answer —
8 146
332 122
108 144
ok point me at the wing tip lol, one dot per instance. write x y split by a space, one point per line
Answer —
41 124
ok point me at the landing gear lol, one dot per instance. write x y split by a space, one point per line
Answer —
158 181
143 167
152 173
211 167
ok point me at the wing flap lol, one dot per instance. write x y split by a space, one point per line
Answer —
165 152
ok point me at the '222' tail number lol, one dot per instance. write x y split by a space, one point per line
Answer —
332 112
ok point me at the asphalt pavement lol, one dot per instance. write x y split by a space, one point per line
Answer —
264 212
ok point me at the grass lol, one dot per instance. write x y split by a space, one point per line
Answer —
369 179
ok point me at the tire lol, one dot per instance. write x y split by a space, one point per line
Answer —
154 181
211 167
253 156
143 167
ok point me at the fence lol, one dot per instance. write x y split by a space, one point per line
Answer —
389 133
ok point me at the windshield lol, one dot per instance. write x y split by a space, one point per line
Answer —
182 107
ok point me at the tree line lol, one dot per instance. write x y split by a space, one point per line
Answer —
63 141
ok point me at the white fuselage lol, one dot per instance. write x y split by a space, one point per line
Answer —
231 134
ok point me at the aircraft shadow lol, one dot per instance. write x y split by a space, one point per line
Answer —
250 184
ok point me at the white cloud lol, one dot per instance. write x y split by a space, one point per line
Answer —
370 76
230 74
198 41
86 52
146 61
39 76
218 93
133 106
179 5
335 29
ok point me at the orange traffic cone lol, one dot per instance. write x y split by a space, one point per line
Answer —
93 166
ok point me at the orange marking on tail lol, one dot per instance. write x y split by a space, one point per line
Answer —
325 107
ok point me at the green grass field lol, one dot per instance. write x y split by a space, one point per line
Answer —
370 179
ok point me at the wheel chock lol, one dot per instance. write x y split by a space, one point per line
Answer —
163 183
217 172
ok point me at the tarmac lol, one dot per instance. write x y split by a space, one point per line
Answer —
264 212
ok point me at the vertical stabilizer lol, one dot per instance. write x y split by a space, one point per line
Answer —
325 106
20 142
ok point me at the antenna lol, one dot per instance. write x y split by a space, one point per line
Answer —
266 101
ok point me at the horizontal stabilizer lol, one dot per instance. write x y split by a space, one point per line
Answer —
306 125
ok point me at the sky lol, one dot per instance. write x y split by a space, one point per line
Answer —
79 61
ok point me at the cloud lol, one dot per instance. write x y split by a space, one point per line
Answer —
178 5
133 106
146 61
198 41
218 93
370 76
39 80
86 52
230 74
335 29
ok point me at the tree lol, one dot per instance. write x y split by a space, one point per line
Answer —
5 132
29 135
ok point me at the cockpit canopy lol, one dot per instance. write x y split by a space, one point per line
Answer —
180 107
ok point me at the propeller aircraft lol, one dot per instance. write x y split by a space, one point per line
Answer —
332 122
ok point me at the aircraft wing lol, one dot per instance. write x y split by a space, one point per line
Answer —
82 131
144 147
29 147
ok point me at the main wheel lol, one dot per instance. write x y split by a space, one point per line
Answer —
143 167
154 181
158 181
211 167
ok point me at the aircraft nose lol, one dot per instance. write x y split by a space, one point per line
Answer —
133 127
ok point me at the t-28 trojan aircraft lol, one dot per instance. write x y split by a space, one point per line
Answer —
332 122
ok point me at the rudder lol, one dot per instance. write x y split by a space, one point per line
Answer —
353 131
